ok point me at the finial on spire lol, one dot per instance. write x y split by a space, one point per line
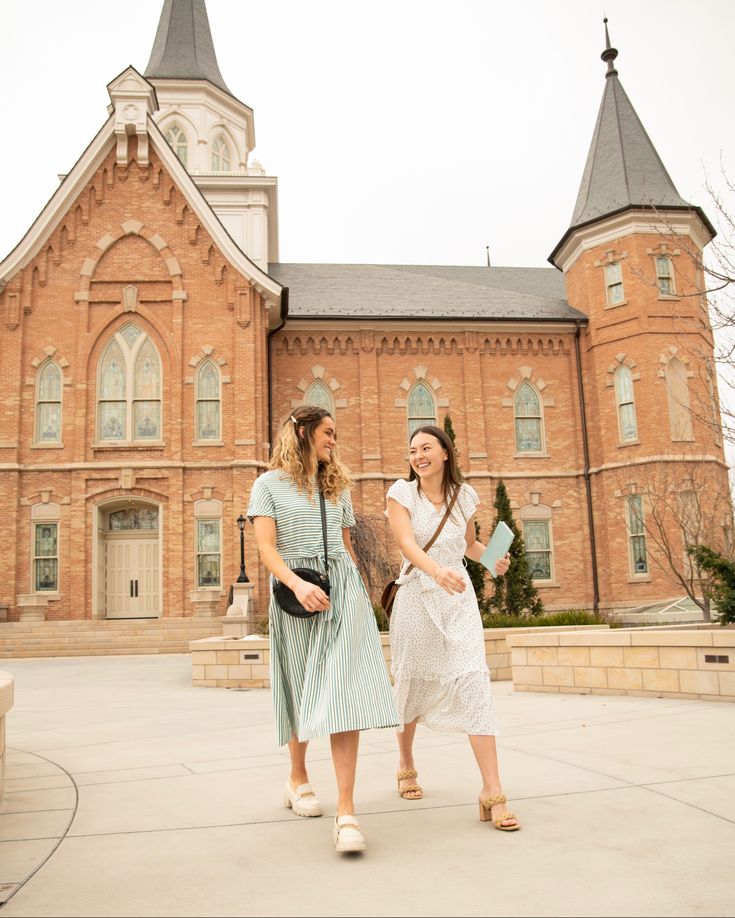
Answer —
609 54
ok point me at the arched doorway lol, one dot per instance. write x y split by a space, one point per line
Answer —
128 559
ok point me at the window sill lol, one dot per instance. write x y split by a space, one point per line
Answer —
629 443
640 578
531 455
616 305
546 584
208 443
153 444
669 296
210 589
51 595
47 445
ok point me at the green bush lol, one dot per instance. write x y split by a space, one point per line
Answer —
571 617
381 618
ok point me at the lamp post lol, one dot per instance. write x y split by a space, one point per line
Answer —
243 578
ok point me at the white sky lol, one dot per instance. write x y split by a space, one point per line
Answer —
411 131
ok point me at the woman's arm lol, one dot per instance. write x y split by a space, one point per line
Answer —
475 549
400 525
347 539
311 597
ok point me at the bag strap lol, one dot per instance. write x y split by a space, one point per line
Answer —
323 508
439 528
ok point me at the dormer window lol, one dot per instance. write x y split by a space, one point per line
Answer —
614 284
177 141
664 275
220 155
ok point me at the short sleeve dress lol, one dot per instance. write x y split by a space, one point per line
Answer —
328 673
437 643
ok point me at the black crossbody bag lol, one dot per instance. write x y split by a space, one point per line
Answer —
285 597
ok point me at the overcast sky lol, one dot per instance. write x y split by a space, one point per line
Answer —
402 131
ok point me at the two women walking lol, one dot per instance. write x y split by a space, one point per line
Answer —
328 675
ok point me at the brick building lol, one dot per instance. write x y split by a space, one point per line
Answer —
150 339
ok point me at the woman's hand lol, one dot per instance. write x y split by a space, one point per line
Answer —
450 581
502 565
311 597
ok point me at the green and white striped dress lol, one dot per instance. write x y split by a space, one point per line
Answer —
328 674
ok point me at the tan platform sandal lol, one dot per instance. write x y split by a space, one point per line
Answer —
486 807
415 789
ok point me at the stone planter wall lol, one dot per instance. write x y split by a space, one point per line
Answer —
231 662
665 663
6 703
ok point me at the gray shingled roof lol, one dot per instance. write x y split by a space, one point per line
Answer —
424 291
623 168
183 48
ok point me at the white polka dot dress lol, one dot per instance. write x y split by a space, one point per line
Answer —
437 646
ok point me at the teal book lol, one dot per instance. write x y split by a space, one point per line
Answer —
497 547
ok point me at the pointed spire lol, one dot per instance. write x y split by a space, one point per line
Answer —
623 169
183 47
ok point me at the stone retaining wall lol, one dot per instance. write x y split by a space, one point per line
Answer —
220 662
6 703
675 663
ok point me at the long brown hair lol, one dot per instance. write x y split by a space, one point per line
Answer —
295 455
452 473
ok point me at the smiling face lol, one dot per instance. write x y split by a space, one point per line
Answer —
427 456
325 439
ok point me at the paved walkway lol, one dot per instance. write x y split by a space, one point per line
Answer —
131 793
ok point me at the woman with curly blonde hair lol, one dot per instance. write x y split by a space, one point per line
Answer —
328 675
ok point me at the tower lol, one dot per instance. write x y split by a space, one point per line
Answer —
631 258
210 130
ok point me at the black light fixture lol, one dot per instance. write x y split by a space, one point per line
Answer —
243 578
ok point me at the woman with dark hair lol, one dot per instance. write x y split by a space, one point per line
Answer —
438 663
328 675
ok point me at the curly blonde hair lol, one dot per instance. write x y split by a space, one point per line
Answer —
295 455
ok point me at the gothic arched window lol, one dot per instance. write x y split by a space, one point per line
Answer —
208 401
129 389
48 403
318 394
677 387
529 427
178 143
220 155
421 408
627 424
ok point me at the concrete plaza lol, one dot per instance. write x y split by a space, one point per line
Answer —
129 792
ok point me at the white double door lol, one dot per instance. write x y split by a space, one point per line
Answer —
132 577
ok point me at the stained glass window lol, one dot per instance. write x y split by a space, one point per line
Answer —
45 557
208 553
220 155
318 394
177 140
538 548
129 405
528 420
614 284
133 518
208 401
626 404
421 408
637 530
48 404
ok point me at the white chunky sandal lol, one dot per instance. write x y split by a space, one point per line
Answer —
348 836
303 801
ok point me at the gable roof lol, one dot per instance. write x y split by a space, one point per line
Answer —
439 292
183 48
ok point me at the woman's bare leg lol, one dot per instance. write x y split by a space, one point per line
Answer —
405 756
344 757
297 751
486 753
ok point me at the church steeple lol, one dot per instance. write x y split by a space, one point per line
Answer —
623 169
183 47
